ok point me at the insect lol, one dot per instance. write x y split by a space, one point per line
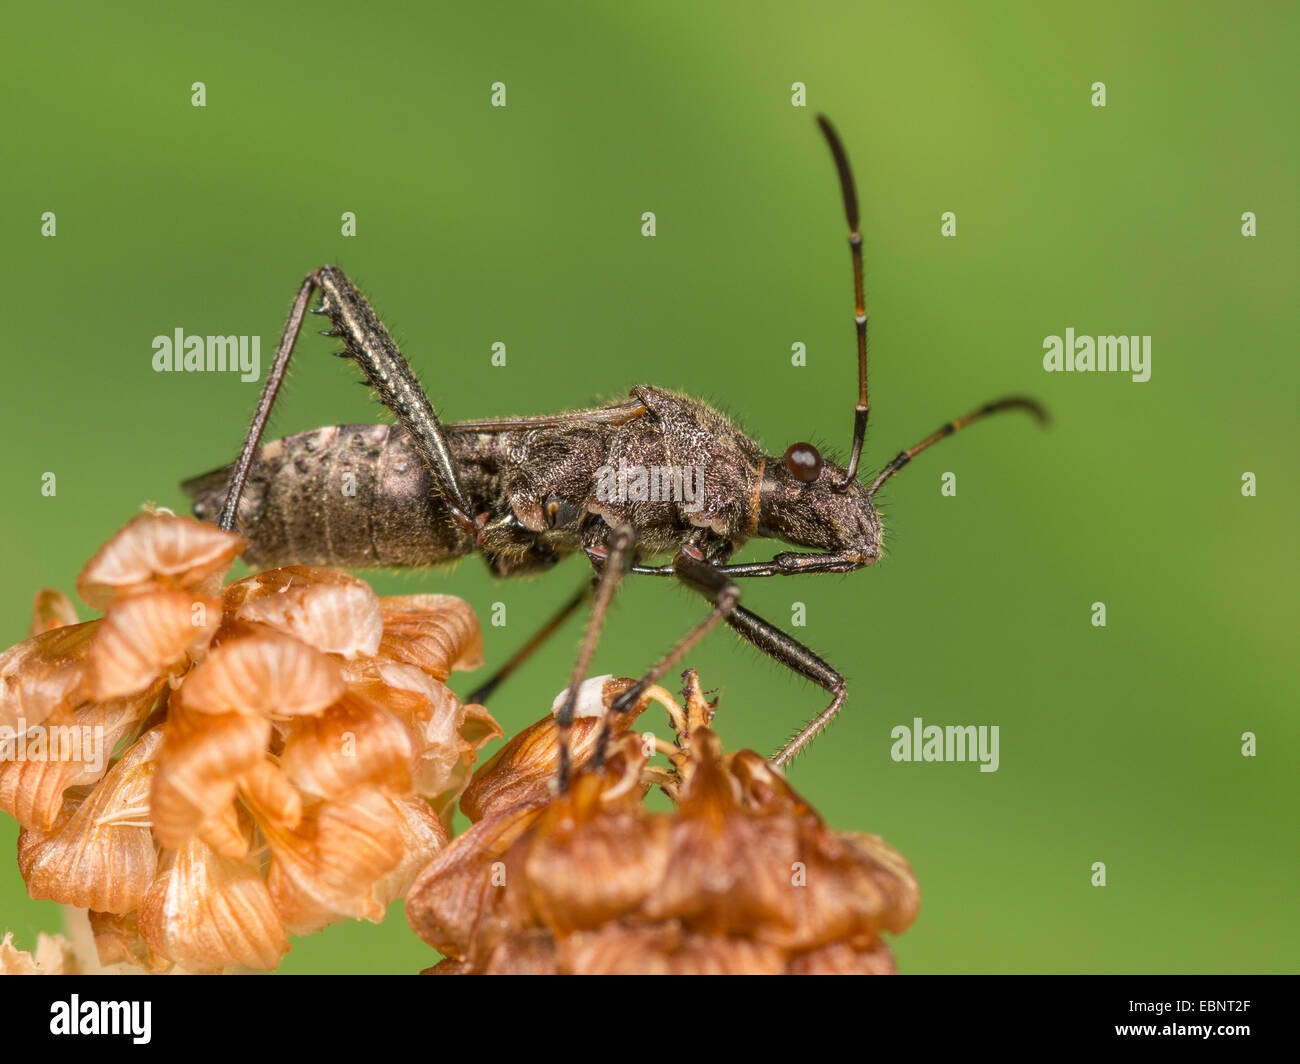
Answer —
525 492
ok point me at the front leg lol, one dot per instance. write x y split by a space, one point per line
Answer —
788 563
791 653
715 583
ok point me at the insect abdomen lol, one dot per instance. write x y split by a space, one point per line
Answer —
353 496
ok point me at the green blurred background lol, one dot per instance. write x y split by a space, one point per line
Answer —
522 224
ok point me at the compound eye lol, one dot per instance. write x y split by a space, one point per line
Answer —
803 461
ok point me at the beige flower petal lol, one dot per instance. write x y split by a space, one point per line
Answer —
447 735
225 834
146 636
357 741
42 674
332 864
102 856
75 750
206 912
267 674
159 551
328 610
435 633
199 768
271 797
423 837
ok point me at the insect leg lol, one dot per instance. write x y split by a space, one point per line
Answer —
367 342
274 378
700 576
620 545
715 583
788 563
791 653
484 691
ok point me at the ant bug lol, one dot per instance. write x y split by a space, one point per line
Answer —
525 492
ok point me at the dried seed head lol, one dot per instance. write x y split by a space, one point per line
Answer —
281 769
525 767
741 876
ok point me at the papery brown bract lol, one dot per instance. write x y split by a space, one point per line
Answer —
264 674
332 863
424 836
435 633
203 757
587 860
207 912
158 551
44 674
355 742
100 854
331 611
524 768
31 791
144 636
51 609
457 903
666 949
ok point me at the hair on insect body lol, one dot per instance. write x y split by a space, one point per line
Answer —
526 492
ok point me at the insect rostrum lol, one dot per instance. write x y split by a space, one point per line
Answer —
525 492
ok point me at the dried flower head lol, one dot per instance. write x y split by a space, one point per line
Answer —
742 876
287 751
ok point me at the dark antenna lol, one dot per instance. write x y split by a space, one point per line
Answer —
1013 402
850 193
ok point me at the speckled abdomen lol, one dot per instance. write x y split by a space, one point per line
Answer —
353 496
